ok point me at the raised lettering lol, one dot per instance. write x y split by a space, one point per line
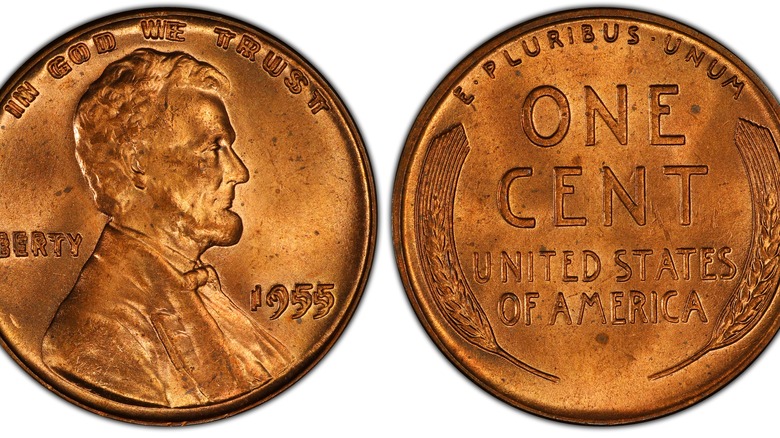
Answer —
25 94
5 245
296 81
636 306
478 275
563 114
567 261
75 242
636 208
512 61
657 110
58 67
20 243
224 36
462 96
554 38
503 198
686 264
616 32
594 105
642 254
490 69
560 190
156 29
14 109
529 304
248 48
587 33
732 268
57 239
693 304
256 298
104 42
587 274
507 264
79 53
735 83
665 306
278 298
560 308
153 29
685 173
38 244
671 50
274 64
705 260
590 301
616 304
711 73
547 255
623 265
535 51
317 102
666 264
509 309
695 56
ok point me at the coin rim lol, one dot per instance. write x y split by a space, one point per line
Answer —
412 146
185 416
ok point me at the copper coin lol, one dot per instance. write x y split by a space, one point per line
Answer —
206 232
586 216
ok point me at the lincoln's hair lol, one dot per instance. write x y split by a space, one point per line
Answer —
116 118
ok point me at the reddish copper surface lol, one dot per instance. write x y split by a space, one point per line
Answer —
206 232
585 216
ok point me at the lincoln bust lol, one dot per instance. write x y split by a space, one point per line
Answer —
147 321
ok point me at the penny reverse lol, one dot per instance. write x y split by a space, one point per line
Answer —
586 216
189 216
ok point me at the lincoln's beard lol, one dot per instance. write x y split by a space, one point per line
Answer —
223 229
229 230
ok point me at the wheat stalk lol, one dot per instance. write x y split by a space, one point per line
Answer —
752 297
759 281
450 290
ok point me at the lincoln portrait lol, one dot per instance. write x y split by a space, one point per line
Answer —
147 321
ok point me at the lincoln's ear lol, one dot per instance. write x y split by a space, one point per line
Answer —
134 168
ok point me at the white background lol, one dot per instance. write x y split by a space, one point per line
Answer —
385 376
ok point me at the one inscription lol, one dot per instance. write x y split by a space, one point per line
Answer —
39 244
299 300
613 187
274 64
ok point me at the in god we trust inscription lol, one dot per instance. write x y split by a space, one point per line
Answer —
201 162
585 216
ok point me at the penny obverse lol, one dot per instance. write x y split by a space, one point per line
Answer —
189 216
586 216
